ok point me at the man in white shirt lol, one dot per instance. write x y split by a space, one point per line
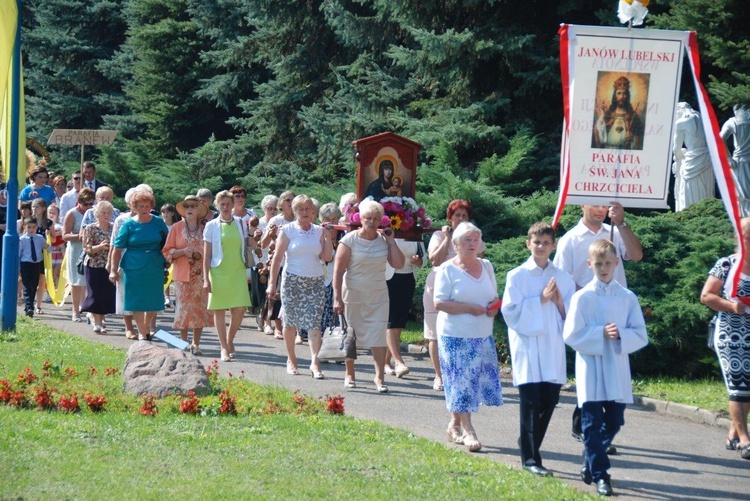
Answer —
70 198
572 256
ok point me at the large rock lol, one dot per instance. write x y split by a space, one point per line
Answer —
152 370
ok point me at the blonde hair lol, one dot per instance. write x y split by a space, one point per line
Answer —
301 200
103 206
371 207
221 196
600 248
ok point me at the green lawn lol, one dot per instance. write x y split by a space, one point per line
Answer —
280 445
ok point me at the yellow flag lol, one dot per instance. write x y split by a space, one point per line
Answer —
8 26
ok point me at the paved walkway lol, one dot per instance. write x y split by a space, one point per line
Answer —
659 456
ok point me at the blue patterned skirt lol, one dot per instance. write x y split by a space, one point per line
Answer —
471 375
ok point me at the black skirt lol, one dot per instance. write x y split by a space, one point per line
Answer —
401 293
100 292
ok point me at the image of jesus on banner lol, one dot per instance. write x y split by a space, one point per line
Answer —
619 115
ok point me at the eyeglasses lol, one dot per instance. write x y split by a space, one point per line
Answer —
238 195
188 207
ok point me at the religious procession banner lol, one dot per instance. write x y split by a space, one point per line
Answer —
620 89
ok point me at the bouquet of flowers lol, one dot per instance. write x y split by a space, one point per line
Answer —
401 214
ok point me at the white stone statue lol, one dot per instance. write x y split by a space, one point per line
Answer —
739 128
694 175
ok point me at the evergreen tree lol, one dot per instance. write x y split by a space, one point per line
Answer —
65 45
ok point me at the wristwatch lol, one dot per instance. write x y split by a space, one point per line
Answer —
624 224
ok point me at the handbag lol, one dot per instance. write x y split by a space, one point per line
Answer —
270 309
79 262
248 254
339 343
712 323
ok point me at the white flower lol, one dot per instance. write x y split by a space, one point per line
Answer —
632 9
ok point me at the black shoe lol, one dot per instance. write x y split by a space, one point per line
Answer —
586 475
577 436
611 450
604 487
538 470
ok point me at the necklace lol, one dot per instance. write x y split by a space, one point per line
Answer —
191 233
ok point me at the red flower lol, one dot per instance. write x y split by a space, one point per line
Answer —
190 405
149 408
6 391
335 405
43 398
111 371
93 371
18 400
95 403
26 376
71 372
228 403
69 404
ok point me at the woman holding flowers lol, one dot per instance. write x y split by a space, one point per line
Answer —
184 250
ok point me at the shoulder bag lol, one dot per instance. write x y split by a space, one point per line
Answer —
339 343
727 264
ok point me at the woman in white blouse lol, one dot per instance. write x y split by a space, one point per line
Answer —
305 247
465 287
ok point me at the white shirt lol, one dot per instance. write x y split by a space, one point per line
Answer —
454 284
68 201
573 252
603 365
408 249
304 249
212 235
535 328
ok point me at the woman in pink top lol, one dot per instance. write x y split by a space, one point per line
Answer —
184 249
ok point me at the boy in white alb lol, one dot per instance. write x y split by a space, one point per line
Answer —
604 325
536 298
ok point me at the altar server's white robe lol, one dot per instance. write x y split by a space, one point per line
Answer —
535 330
603 365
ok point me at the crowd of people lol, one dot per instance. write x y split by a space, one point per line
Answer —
300 265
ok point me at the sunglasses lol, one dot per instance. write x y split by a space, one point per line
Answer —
88 204
240 195
76 179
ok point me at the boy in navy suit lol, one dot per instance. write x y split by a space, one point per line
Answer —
30 250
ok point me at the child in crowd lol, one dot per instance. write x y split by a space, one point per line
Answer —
537 296
604 325
57 247
30 249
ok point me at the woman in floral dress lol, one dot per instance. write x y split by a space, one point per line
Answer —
100 292
184 249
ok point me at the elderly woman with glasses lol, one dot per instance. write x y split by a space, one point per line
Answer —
184 249
359 283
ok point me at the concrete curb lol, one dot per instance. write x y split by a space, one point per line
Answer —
689 412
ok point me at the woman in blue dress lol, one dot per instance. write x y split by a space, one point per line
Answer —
138 256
